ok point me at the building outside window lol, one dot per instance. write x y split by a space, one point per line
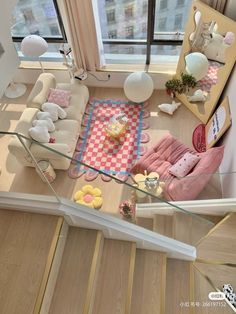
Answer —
39 18
144 27
112 34
130 50
145 7
162 24
109 2
178 22
152 29
163 4
180 2
111 16
129 12
129 32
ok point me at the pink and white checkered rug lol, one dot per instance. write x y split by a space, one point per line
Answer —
103 153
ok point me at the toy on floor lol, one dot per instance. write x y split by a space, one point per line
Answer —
89 196
117 125
199 95
169 108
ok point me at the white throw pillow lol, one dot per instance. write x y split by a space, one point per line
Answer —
54 110
43 115
47 123
39 133
169 108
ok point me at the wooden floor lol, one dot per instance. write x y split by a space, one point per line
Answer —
16 178
27 245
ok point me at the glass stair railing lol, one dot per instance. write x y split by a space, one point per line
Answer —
98 189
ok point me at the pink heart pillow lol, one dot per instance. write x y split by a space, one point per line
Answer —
184 165
60 97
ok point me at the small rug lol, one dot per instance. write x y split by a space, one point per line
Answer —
115 157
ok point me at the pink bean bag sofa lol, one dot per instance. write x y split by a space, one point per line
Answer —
166 153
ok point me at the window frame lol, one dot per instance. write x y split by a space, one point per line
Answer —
151 40
49 39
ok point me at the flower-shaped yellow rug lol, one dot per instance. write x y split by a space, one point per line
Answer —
89 196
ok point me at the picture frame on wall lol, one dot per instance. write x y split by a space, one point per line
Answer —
218 124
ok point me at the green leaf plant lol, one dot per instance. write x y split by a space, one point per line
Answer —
180 86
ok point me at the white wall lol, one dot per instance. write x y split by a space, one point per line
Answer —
116 78
9 61
229 161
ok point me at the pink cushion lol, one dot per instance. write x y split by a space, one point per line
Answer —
229 38
60 97
184 165
167 152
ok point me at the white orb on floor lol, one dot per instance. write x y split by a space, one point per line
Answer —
138 87
197 65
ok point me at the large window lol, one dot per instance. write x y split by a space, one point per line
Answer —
40 18
145 29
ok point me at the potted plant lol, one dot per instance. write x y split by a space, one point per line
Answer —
173 87
188 81
180 86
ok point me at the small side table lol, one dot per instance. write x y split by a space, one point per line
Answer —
141 181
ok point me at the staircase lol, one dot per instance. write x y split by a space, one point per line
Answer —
50 267
183 227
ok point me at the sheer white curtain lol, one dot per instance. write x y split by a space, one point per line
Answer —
99 33
84 33
218 5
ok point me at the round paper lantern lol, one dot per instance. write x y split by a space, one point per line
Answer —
197 65
138 87
33 46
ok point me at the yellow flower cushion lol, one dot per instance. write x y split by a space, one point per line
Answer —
89 196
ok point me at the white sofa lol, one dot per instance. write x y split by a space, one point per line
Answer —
67 130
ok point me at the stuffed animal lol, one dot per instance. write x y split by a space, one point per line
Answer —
47 123
39 133
169 108
54 110
199 95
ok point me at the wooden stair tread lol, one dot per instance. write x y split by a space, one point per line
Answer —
219 244
201 290
146 223
218 274
189 229
71 288
163 224
212 218
27 246
148 294
114 284
178 286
